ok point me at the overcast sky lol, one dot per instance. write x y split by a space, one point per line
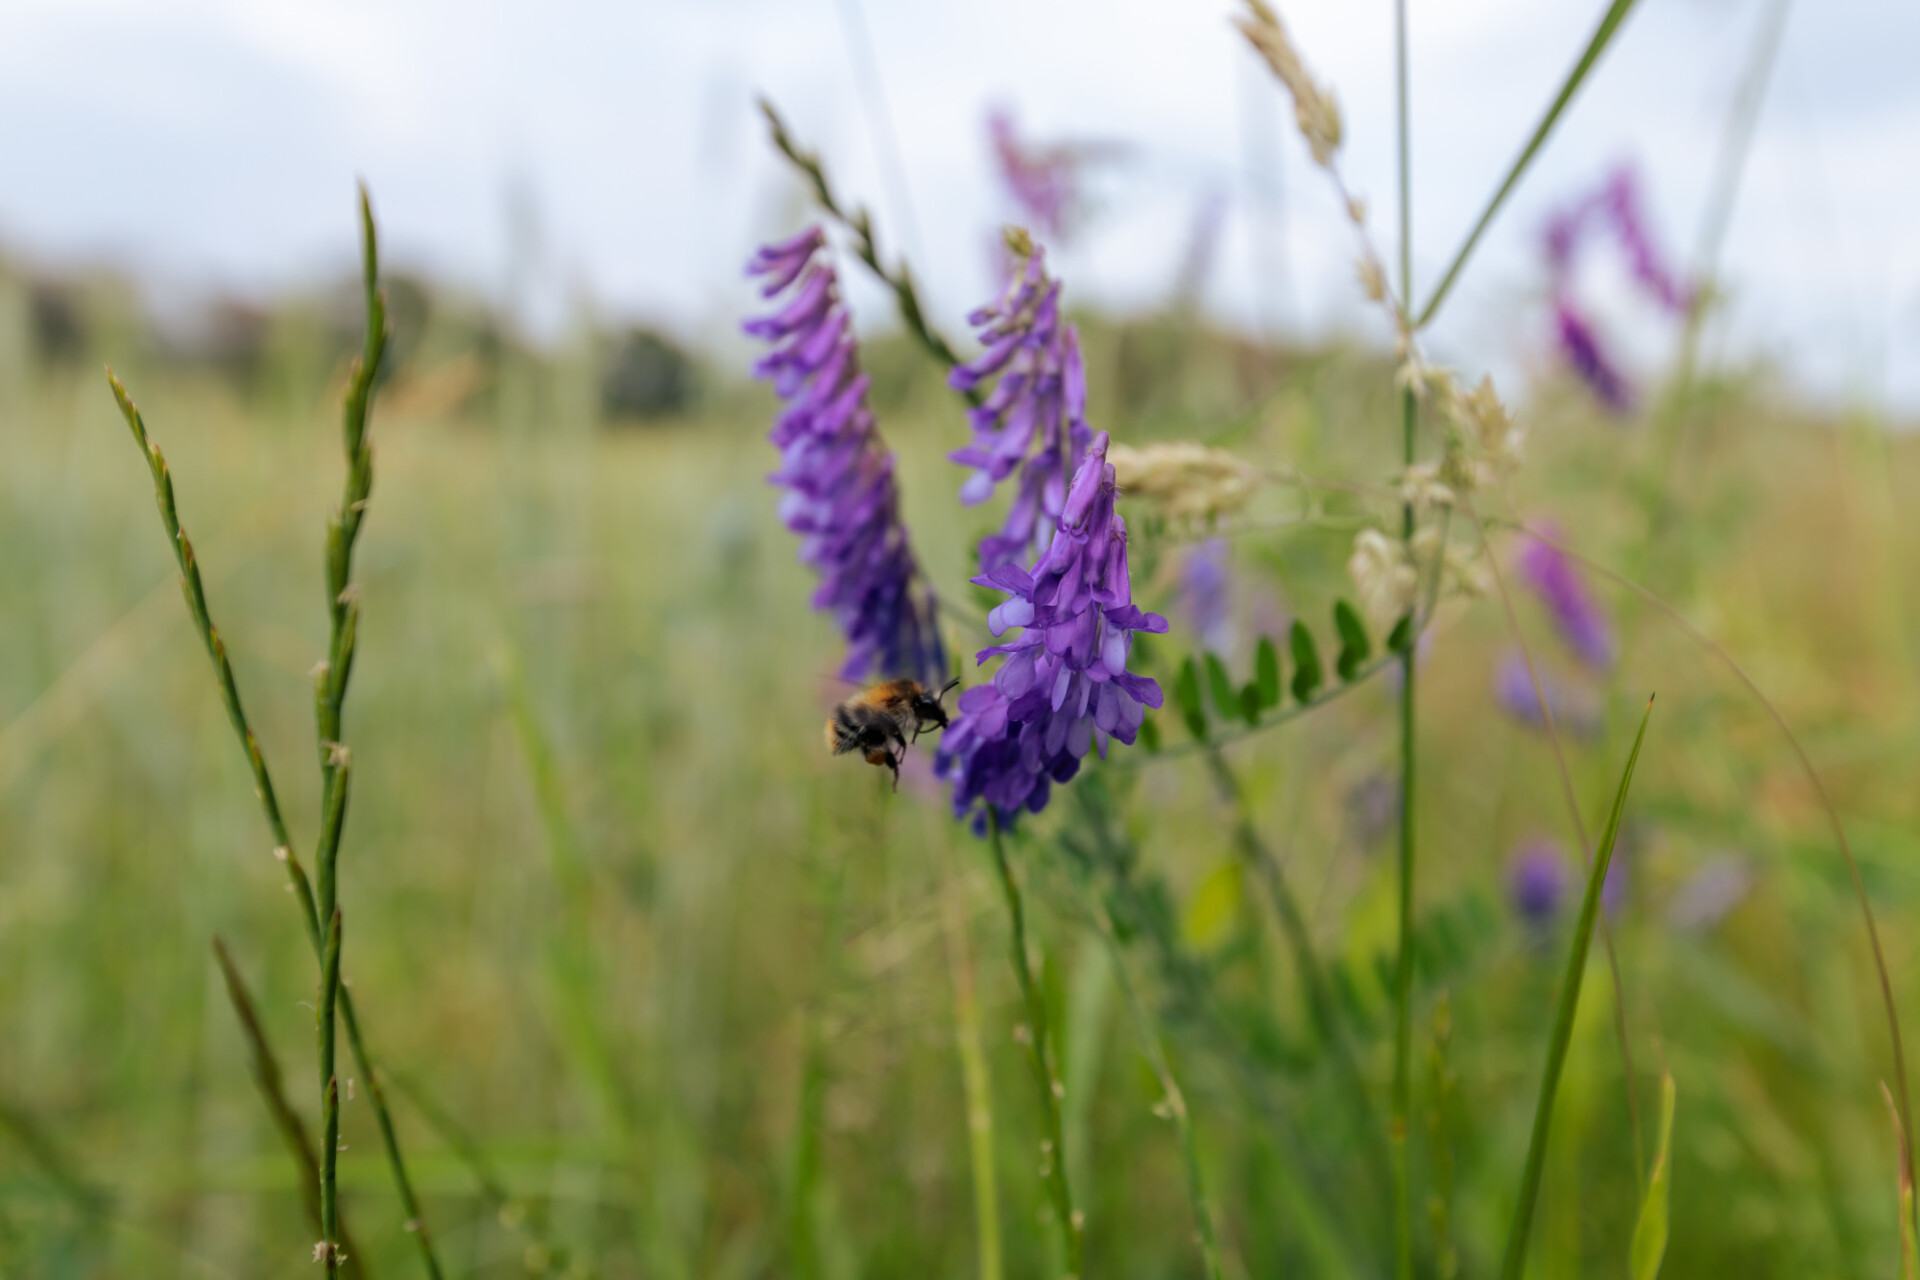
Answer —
213 143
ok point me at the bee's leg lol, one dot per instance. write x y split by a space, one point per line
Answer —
893 763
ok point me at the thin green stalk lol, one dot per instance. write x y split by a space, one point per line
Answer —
1173 1102
1602 36
1888 1003
1033 1037
1403 979
265 1069
865 246
1563 1016
544 1258
195 593
329 1247
1728 166
1397 1132
1629 1072
1314 986
40 1147
974 1081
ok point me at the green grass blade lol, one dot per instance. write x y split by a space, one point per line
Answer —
1650 1232
1909 1255
1563 1018
1603 35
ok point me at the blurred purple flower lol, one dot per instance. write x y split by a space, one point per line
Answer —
1373 809
1706 898
1622 202
1616 206
1580 344
1041 395
1043 182
837 472
1577 617
1206 584
1064 686
1537 881
1573 709
1539 875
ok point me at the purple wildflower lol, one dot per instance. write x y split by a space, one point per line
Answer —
1576 615
1042 392
1064 686
1616 206
1537 881
1580 343
1573 709
1623 206
1044 183
1205 585
841 498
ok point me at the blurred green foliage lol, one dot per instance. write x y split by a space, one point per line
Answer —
680 979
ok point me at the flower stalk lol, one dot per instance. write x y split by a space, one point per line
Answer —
1046 1078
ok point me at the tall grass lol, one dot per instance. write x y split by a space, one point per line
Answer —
678 995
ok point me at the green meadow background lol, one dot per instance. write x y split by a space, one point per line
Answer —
685 991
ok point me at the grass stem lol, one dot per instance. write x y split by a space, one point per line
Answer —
1033 1038
330 687
1403 964
1603 35
974 1081
1563 1015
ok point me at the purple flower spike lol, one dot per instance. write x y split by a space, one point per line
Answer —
1537 881
1616 206
1577 617
1064 687
1033 420
837 472
1581 346
1622 200
1044 183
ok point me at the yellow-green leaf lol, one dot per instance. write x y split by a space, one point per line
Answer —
1214 907
1650 1232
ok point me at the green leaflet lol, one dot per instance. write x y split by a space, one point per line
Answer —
1186 696
1225 701
1307 674
1266 673
1355 648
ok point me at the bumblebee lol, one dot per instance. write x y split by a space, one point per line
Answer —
876 721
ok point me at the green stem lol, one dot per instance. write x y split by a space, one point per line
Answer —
330 1100
1315 988
512 1211
1563 1015
1053 1153
1403 966
1609 23
865 246
974 1081
1729 164
1173 1101
267 1078
331 677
